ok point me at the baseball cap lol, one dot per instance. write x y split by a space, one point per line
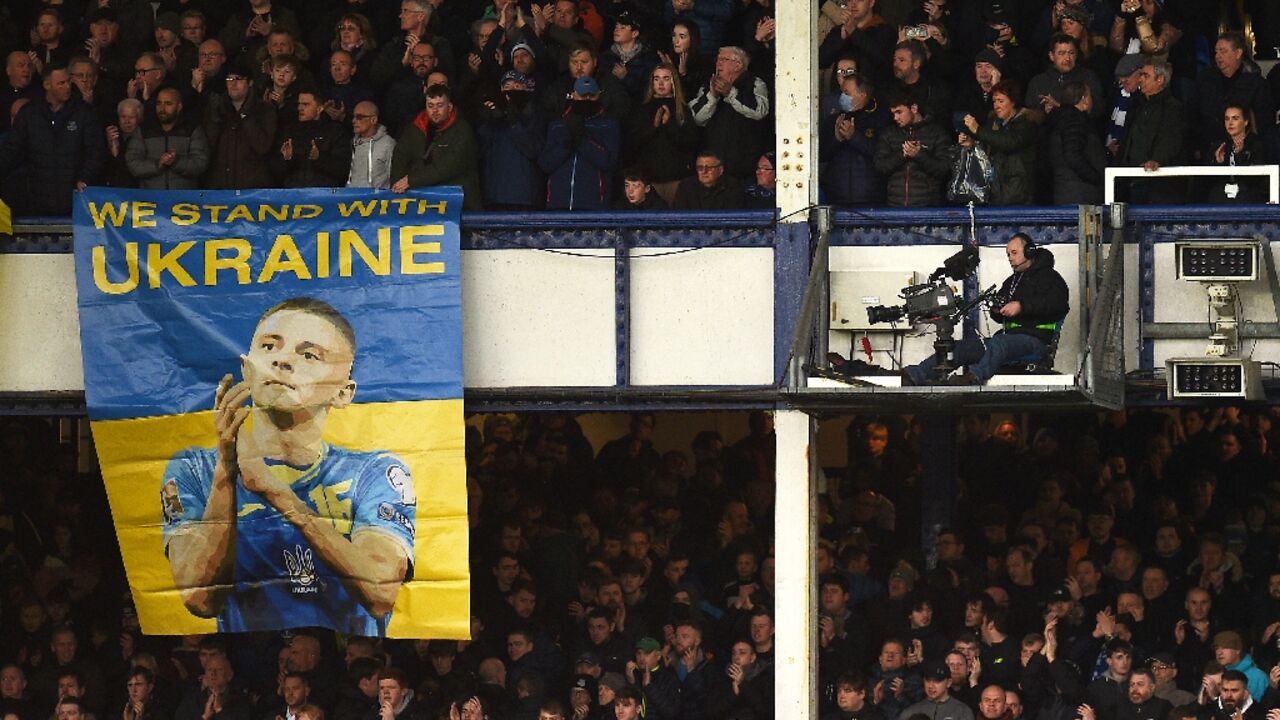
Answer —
169 21
585 682
648 644
586 85
589 658
936 670
516 76
1164 658
103 14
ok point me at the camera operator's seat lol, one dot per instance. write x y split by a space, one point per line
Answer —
1037 363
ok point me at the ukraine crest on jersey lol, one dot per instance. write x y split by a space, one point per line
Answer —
277 576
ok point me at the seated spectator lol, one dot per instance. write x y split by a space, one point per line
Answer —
169 152
1155 135
195 27
847 146
439 148
240 127
1011 137
710 188
344 88
314 151
581 151
58 140
1044 90
511 139
662 137
732 108
762 193
915 155
371 149
1242 147
630 58
1076 155
396 699
638 193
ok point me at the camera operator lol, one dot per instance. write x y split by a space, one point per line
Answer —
1033 300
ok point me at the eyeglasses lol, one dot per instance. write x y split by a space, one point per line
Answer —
707 168
764 168
143 71
845 72
237 78
352 28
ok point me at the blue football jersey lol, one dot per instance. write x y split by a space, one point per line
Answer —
279 581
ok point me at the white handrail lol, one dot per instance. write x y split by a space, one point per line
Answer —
1271 171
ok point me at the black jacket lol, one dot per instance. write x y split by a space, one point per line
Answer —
57 149
1076 157
333 161
1042 293
693 195
918 181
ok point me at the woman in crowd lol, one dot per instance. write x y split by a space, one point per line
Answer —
1240 146
686 38
355 34
1010 137
662 137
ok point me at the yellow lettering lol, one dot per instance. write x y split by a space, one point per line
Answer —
349 240
239 212
364 207
215 212
424 206
306 212
158 264
279 214
100 268
284 257
410 249
402 205
238 261
185 214
322 254
142 211
109 213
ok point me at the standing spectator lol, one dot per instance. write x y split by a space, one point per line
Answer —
662 137
246 31
281 91
974 97
119 135
1011 138
848 146
169 152
59 141
863 32
195 27
208 78
315 151
111 55
510 142
685 56
214 697
1126 81
1156 134
915 156
394 57
1076 156
581 152
564 32
20 82
710 188
699 676
149 75
584 61
439 148
1233 79
371 149
48 41
240 128
84 80
404 99
180 57
913 79
937 696
1045 90
355 35
629 58
732 108
345 87
712 17
1241 147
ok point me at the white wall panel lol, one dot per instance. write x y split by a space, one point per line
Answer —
537 319
39 325
702 317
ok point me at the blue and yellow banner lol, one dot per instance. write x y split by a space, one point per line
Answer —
274 381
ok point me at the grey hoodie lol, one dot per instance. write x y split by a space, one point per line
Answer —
371 160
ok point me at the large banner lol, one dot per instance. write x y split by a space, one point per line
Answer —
274 380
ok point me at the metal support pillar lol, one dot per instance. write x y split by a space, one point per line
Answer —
795 663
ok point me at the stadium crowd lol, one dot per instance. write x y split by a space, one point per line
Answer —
1104 567
629 104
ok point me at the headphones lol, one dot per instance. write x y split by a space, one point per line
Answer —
1029 246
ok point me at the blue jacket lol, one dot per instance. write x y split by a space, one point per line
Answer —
849 175
58 149
1257 678
580 156
509 149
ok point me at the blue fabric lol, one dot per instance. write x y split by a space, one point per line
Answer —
1000 349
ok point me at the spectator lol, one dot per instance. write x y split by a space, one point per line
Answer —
848 145
281 90
851 700
711 17
1241 147
1088 23
563 33
194 27
937 697
584 62
1076 154
686 39
1126 80
662 135
915 155
405 97
1156 134
638 193
975 98
1044 92
240 128
699 676
581 151
1228 650
1012 139
180 57
84 81
510 143
913 80
371 149
58 140
710 188
149 75
396 699
354 35
209 76
112 56
762 193
863 32
48 43
315 151
629 58
116 172
344 88
394 59
169 152
246 31
1143 26
732 108
1233 79
20 74
439 148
